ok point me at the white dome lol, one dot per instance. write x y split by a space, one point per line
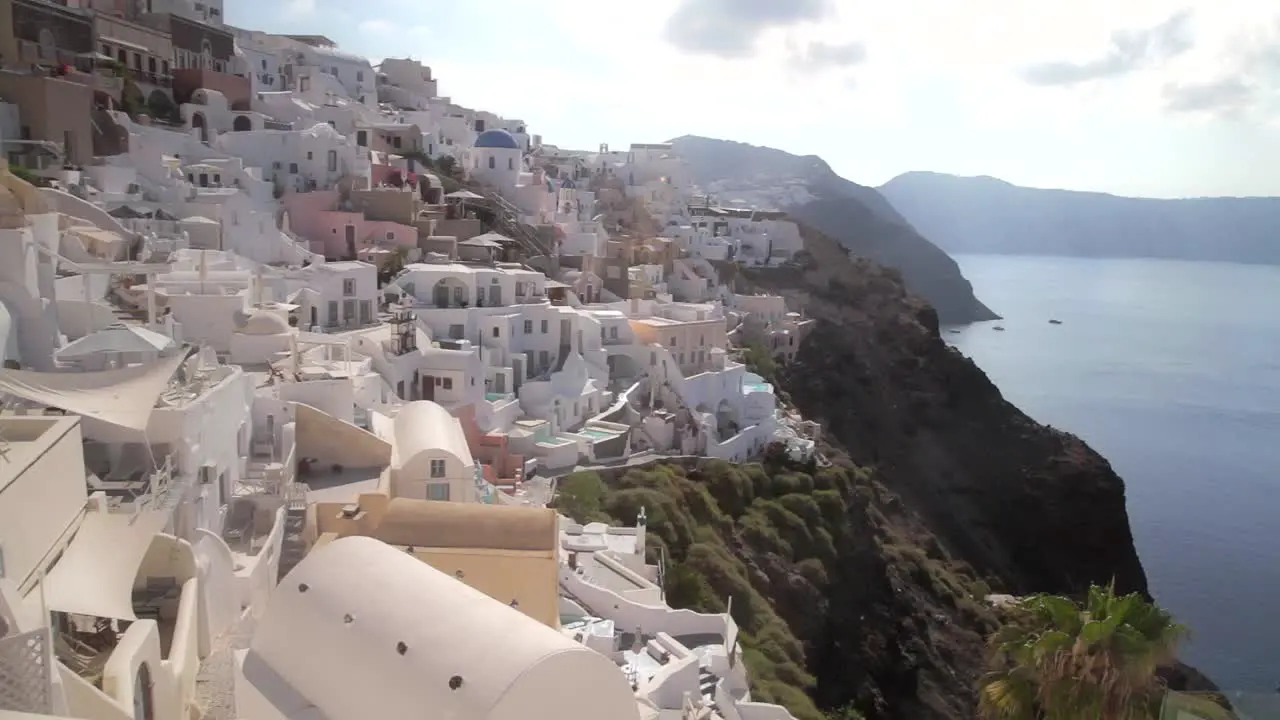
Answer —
360 629
260 322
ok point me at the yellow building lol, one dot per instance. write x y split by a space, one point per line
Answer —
508 553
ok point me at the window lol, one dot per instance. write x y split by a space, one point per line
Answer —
437 468
496 332
528 327
349 286
395 141
308 154
544 327
333 312
359 76
438 491
446 383
293 168
613 333
544 358
391 235
492 162
673 341
151 65
333 161
511 164
106 50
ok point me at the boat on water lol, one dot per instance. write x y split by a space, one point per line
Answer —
998 328
1054 321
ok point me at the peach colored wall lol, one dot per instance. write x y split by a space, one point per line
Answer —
312 218
489 450
381 172
304 210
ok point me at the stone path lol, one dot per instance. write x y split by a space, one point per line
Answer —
215 683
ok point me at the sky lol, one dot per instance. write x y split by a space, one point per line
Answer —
1152 98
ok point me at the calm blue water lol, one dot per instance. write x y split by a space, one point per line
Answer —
1172 371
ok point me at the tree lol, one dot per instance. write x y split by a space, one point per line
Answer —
1059 660
447 165
394 264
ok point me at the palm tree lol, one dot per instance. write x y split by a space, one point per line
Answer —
1057 660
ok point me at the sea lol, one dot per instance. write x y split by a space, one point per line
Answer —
1171 370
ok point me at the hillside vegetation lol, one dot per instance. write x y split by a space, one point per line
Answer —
788 543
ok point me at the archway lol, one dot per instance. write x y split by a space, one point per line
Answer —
143 702
197 122
726 420
450 292
242 123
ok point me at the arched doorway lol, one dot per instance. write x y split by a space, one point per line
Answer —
143 702
450 292
197 122
242 123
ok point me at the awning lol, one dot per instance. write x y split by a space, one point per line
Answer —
124 396
464 195
116 337
95 574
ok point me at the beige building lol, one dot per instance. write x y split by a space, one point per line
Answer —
689 342
53 110
508 553
146 51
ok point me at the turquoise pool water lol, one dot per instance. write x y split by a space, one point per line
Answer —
597 434
494 397
752 382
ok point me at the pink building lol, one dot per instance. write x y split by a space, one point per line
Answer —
501 468
337 234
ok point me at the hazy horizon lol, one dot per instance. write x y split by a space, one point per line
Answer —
1153 98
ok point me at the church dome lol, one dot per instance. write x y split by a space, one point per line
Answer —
497 139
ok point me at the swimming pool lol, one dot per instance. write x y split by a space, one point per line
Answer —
752 382
597 434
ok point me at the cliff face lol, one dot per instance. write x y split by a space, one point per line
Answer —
967 495
857 217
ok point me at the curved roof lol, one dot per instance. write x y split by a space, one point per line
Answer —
359 629
426 524
259 322
500 139
423 427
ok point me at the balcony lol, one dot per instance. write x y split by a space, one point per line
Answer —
110 84
31 53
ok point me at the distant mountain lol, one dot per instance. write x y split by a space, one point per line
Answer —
987 215
858 217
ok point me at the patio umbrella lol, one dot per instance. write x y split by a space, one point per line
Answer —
464 195
116 338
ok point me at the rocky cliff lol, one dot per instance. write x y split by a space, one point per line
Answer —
857 217
967 495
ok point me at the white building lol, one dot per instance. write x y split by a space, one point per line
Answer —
496 159
500 664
